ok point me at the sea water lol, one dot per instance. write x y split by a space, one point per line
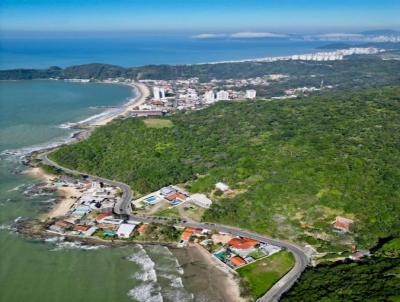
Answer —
31 113
129 50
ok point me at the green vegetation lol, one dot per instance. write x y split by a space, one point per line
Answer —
158 123
374 279
171 212
159 232
194 212
357 72
390 249
296 164
260 276
50 169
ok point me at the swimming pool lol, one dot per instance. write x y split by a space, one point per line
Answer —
151 199
175 202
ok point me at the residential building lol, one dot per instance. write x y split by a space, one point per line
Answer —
209 96
125 230
222 186
222 95
201 200
156 93
237 261
342 224
251 94
242 243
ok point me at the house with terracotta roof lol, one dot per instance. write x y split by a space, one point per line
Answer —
342 224
237 261
242 246
101 216
187 233
176 195
81 228
242 243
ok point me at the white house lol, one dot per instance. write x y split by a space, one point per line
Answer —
209 96
125 230
222 95
201 200
251 94
222 186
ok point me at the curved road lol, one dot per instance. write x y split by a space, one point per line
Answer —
122 207
284 284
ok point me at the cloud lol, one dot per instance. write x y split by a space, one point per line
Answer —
209 36
256 35
241 35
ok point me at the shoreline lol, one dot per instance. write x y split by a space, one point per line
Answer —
82 129
207 278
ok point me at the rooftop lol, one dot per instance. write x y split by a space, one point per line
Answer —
242 243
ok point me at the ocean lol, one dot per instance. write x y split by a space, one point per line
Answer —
32 114
135 50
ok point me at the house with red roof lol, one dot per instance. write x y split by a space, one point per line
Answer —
176 195
342 224
237 261
242 243
81 228
101 216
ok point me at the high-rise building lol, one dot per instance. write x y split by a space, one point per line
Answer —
209 96
222 95
251 94
156 93
162 93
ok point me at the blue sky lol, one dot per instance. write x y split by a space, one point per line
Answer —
296 16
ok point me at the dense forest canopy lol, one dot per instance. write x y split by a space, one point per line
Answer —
293 165
374 279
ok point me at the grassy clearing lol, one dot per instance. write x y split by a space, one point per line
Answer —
158 123
261 275
169 212
194 212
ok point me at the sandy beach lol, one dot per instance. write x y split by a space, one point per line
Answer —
208 279
142 93
68 195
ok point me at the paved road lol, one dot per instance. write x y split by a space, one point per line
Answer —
123 207
284 284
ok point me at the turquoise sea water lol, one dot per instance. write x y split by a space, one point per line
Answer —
32 270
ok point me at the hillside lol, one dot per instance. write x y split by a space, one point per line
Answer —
374 279
293 165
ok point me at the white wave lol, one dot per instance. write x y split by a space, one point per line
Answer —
66 125
51 200
54 239
18 154
179 267
141 258
17 188
175 281
146 292
17 219
6 227
76 245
